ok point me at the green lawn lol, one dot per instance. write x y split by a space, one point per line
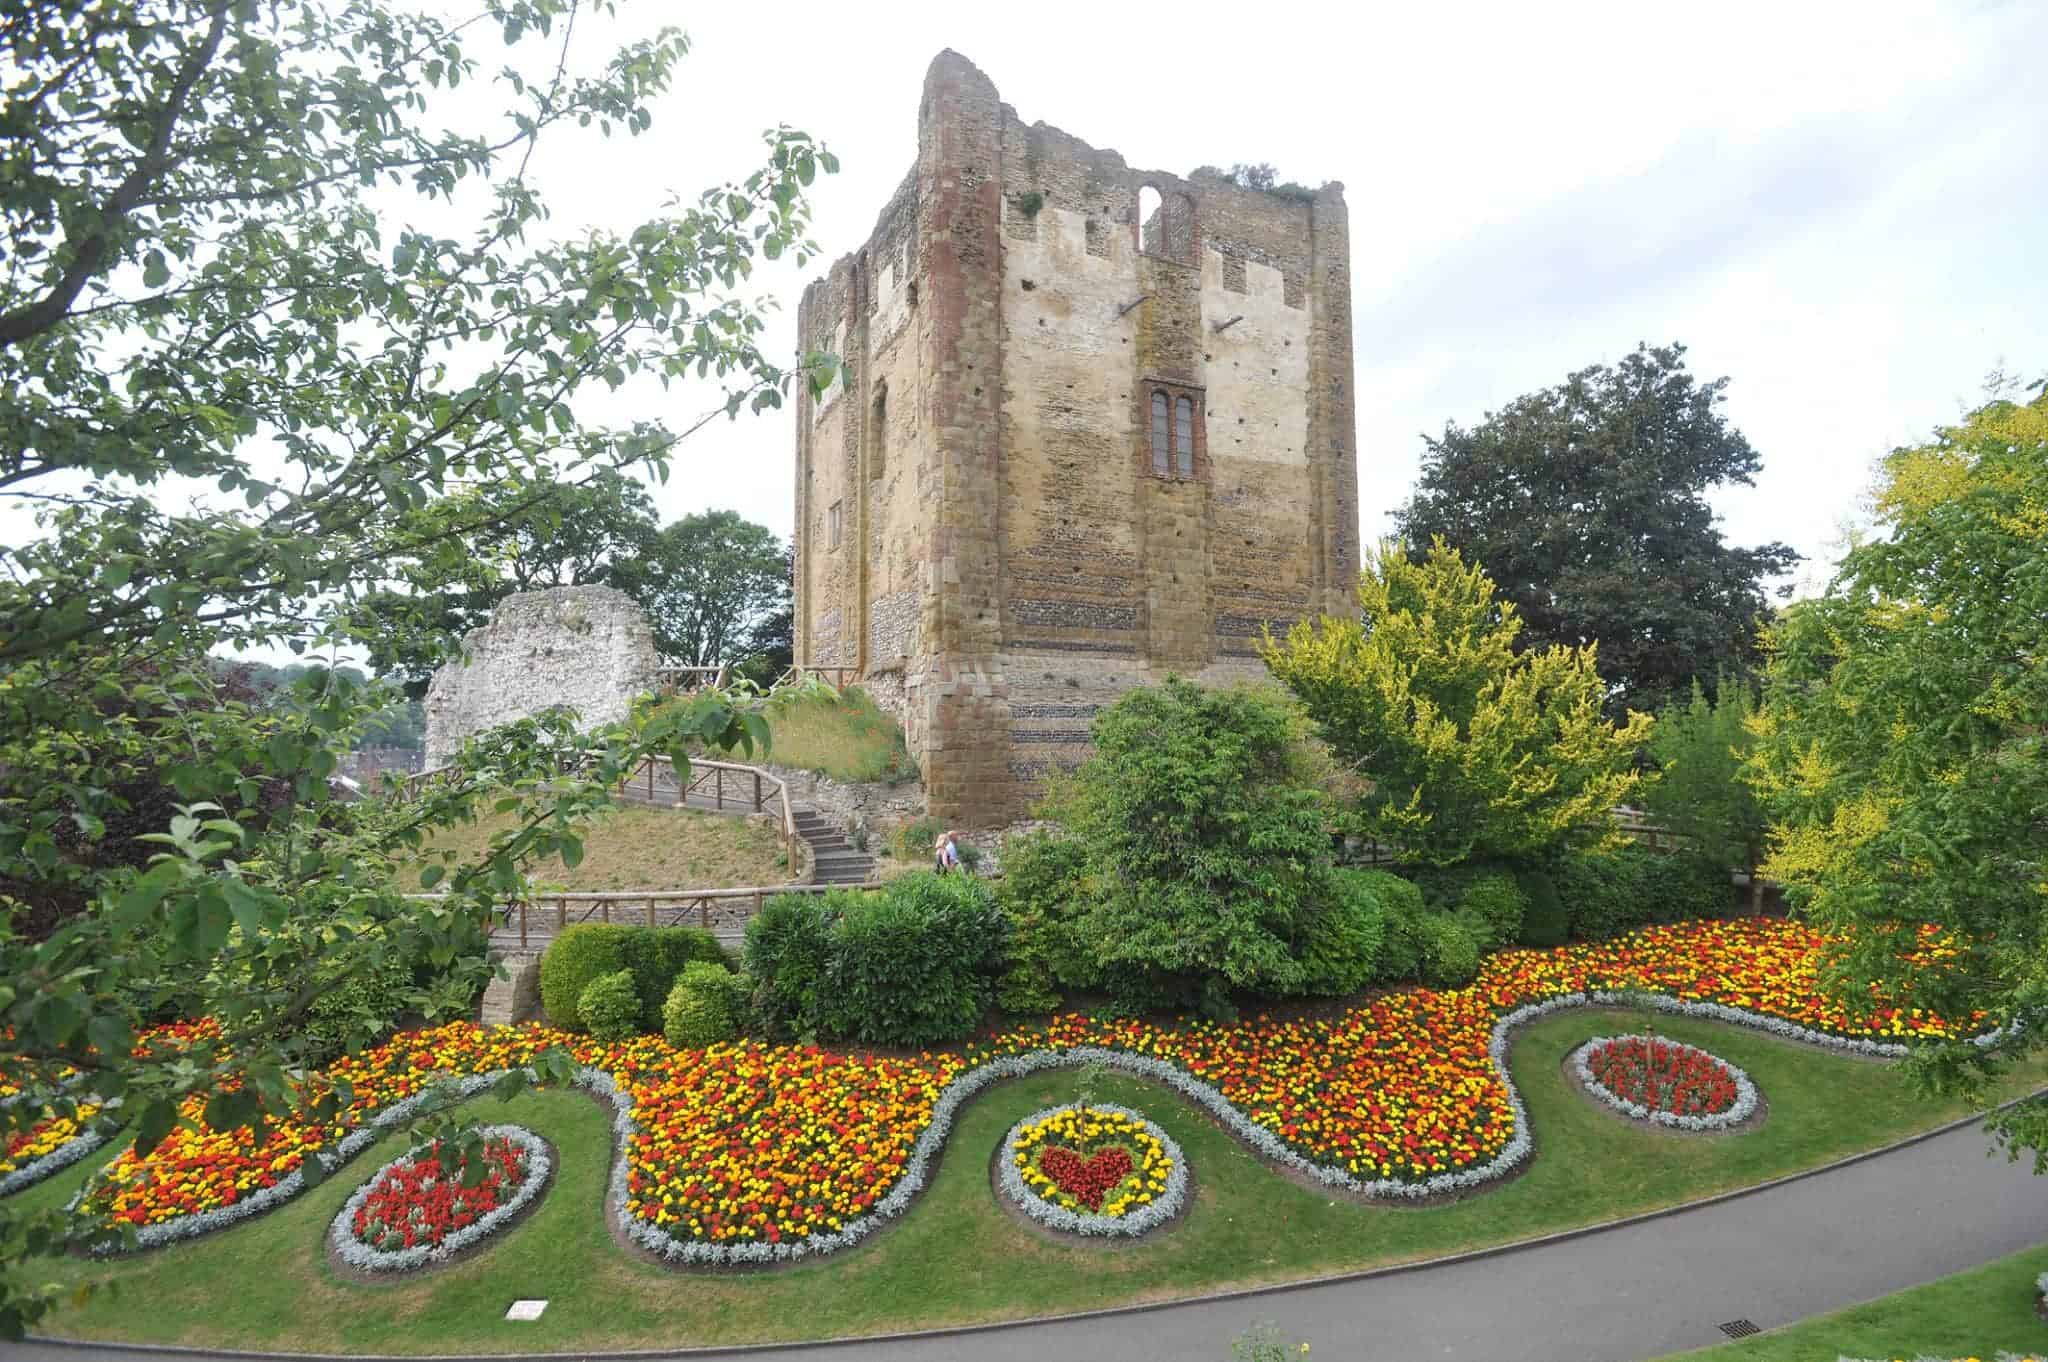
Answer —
1979 1313
957 1257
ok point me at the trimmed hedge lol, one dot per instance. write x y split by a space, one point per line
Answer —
609 1007
1044 887
652 956
705 1006
913 964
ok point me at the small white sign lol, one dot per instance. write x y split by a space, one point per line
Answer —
526 1309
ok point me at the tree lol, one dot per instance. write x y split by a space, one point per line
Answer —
196 283
1700 794
1587 504
1471 748
707 582
1200 811
1902 750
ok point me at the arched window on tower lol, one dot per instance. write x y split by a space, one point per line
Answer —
1161 434
1184 436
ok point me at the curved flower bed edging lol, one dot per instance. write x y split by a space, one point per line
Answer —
1741 1110
1261 1141
1150 1216
289 1186
863 1130
356 1254
89 1137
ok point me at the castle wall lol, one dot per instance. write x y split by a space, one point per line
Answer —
586 648
1022 560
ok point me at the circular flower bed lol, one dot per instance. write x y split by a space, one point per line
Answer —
1102 1170
1665 1082
412 1213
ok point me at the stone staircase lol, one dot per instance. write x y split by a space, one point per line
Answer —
834 859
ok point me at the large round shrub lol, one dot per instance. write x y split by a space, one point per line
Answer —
572 961
1493 904
1208 832
609 1007
1340 950
704 1007
1400 956
1449 950
914 964
657 956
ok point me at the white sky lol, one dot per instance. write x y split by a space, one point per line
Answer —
1831 204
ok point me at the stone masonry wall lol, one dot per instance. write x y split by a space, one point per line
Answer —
588 648
1010 558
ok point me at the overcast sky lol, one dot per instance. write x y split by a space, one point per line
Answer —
1833 205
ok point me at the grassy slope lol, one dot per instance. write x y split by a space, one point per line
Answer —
957 1256
847 737
638 847
1978 1313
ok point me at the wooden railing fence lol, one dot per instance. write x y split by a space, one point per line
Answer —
549 914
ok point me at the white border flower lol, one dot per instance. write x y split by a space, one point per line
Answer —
1581 1061
1150 1216
353 1251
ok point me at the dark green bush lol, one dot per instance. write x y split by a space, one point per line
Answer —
1546 923
1493 903
788 950
360 1009
1340 954
1683 885
1401 911
914 964
1632 887
579 955
1449 948
705 1006
656 956
1207 836
609 1007
1042 892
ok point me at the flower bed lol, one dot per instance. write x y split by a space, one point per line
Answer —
411 1213
1104 1170
1664 1082
759 1153
49 1146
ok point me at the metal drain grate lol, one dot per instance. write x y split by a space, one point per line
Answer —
1740 1328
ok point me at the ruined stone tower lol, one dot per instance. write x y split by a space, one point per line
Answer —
1078 451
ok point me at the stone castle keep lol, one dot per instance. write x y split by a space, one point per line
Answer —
1077 451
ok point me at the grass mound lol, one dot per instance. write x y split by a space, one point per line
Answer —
639 847
844 735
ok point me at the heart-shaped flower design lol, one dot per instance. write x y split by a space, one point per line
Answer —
1086 1180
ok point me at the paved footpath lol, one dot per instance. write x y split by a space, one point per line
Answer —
1639 1291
